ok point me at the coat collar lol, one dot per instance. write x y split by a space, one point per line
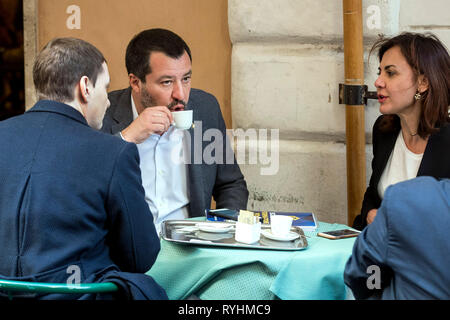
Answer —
60 108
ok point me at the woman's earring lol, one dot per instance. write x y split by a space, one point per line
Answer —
417 96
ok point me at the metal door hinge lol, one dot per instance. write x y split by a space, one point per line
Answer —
355 95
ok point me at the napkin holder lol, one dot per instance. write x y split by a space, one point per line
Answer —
247 233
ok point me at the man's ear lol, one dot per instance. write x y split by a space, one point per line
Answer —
135 83
84 89
423 83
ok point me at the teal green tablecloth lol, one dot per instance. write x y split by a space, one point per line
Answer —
242 274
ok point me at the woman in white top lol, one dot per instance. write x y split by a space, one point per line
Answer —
412 137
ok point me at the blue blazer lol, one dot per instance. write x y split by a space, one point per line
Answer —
222 181
71 196
408 242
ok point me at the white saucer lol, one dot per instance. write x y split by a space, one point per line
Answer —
290 236
215 228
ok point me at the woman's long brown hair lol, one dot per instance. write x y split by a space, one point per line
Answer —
427 56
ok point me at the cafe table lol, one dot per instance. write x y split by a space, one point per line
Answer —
224 273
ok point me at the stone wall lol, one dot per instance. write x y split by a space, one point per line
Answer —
287 63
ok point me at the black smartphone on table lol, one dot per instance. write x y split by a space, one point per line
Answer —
339 234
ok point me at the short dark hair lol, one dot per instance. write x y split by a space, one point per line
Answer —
427 56
137 58
61 64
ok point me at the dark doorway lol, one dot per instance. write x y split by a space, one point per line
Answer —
12 83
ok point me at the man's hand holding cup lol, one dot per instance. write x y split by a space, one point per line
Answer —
153 120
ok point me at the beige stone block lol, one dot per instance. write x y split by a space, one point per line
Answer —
288 87
420 13
293 88
305 21
311 177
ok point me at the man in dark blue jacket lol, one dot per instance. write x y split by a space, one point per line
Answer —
404 253
72 207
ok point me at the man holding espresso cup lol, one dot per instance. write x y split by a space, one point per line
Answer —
156 113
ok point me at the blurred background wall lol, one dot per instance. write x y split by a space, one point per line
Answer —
110 25
12 91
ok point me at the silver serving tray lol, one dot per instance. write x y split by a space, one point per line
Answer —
183 231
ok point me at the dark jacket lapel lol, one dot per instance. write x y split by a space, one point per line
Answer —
436 158
60 108
123 114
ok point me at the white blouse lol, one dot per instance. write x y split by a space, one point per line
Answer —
403 164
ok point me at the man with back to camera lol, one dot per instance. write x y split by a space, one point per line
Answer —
159 66
403 254
71 198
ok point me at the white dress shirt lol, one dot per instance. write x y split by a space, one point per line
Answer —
403 164
165 181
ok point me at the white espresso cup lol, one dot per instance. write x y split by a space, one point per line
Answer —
280 225
182 119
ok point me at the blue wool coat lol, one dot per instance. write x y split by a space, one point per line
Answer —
406 247
71 199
